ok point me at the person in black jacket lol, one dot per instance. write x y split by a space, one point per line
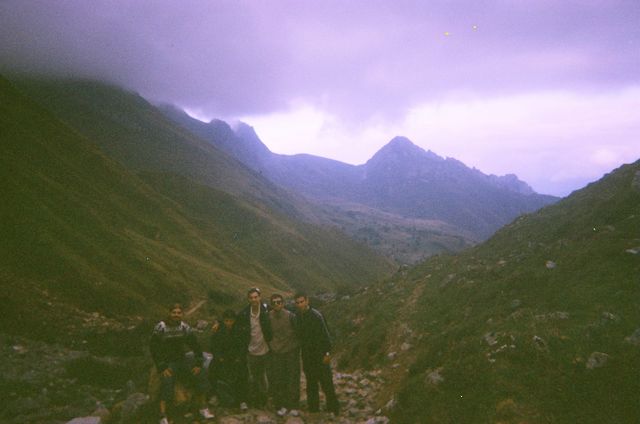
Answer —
255 329
170 341
315 344
229 366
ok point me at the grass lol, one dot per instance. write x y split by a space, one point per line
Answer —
547 322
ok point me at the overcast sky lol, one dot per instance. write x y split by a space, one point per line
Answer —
548 90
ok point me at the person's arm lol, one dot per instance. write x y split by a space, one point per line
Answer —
324 338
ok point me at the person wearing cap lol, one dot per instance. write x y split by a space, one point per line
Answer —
169 342
315 344
255 329
284 372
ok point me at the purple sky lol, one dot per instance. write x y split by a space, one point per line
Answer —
548 90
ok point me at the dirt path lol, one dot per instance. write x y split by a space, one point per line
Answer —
194 308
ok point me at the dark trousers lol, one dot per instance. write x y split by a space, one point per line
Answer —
258 385
229 379
284 379
318 374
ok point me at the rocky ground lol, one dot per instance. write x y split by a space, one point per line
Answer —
50 383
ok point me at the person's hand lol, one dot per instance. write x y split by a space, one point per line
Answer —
195 370
215 327
326 359
167 373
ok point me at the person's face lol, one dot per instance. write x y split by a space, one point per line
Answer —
254 299
228 323
277 304
302 303
176 315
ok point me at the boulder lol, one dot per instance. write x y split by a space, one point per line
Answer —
597 360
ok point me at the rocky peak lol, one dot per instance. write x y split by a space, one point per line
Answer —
401 156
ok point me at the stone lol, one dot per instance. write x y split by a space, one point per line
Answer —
491 338
229 420
263 418
540 344
634 339
433 377
597 360
86 420
127 410
405 346
550 264
392 355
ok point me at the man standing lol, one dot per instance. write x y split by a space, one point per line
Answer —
168 342
284 375
254 325
316 354
229 366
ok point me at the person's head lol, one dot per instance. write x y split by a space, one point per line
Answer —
176 313
253 295
302 301
277 302
228 319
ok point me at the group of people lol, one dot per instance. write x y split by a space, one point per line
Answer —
256 355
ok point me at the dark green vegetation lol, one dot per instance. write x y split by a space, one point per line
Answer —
514 330
108 207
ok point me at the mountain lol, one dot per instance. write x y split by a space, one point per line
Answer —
449 201
540 323
109 208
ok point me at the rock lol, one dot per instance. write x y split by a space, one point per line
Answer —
597 360
633 251
263 418
491 338
378 420
550 264
634 339
433 377
230 420
86 420
540 344
610 317
392 355
389 406
405 346
102 412
202 325
127 410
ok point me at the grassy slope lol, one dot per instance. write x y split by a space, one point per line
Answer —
546 322
82 233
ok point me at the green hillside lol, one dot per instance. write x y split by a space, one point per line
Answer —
540 324
80 232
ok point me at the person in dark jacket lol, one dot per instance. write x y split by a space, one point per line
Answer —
170 341
255 329
315 344
229 366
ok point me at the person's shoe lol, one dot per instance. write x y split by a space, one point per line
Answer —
164 420
282 412
294 413
206 414
243 406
